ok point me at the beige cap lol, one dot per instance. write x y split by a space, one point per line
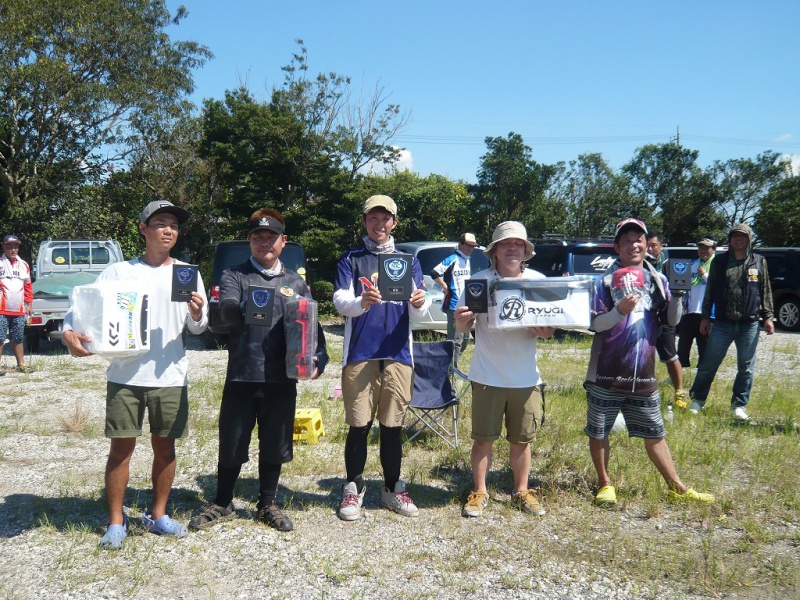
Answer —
507 230
379 201
468 238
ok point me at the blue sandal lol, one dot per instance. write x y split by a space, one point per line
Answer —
163 525
115 535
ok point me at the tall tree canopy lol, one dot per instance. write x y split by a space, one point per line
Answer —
672 192
744 182
778 220
76 79
594 197
513 186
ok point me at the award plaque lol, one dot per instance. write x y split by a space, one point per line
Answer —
679 274
394 276
476 295
258 307
184 282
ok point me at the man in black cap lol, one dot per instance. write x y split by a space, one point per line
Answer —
155 380
257 354
738 296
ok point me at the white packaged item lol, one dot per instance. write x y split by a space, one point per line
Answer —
114 315
561 302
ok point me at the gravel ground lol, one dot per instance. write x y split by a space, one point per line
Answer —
52 512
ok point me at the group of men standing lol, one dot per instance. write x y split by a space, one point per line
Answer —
631 307
732 292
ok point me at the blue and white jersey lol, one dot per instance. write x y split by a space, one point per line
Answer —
383 332
455 270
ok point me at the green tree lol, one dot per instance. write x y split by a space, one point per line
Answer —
777 222
672 193
76 76
595 198
430 208
513 186
744 182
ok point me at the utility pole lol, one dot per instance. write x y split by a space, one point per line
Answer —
677 138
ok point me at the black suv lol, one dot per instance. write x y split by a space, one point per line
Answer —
562 257
215 258
783 265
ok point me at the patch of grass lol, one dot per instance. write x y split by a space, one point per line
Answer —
78 421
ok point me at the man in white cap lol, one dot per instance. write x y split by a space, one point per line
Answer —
155 380
629 302
378 371
693 305
506 383
16 297
450 275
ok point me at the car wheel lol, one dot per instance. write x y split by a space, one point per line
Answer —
789 314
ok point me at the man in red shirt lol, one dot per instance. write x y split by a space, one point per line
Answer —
16 296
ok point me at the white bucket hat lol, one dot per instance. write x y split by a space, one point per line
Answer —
507 230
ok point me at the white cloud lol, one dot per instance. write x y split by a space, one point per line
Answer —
785 137
406 163
795 162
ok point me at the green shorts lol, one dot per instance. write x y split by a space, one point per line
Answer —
521 408
167 410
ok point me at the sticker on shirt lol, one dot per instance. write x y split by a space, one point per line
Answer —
752 274
287 291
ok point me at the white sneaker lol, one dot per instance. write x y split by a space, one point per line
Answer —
399 501
695 408
350 508
740 414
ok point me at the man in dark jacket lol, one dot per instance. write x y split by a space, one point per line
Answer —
739 292
257 388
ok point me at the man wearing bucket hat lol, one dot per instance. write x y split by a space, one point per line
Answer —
378 367
629 302
738 296
693 304
155 380
16 297
257 354
450 275
506 383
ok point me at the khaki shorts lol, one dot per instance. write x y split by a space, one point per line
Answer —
376 386
167 410
522 409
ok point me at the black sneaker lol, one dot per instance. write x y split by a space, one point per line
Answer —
273 516
211 515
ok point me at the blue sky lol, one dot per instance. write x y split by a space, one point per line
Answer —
570 77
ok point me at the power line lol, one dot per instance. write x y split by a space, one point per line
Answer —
455 140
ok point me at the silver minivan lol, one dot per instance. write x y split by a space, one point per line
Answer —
430 254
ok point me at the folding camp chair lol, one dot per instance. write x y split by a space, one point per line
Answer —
437 393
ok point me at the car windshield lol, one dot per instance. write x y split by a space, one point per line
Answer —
549 260
227 255
430 257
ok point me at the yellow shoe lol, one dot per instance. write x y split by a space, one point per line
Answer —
475 504
681 398
606 497
690 496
